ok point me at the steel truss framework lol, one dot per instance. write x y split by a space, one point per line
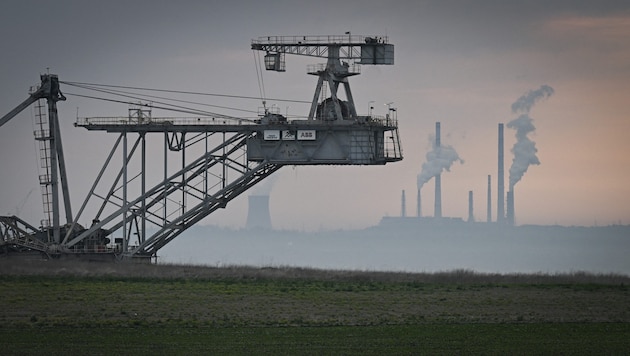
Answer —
350 46
230 158
199 187
20 234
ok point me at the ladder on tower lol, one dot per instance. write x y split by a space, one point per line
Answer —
44 139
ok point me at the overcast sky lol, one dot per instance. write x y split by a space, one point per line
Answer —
462 63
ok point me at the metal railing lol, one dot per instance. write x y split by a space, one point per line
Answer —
353 68
125 121
320 39
387 120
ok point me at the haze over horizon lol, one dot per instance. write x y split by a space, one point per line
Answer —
457 62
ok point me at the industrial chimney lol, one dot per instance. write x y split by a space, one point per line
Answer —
489 212
403 205
419 205
258 216
438 178
510 207
500 182
471 215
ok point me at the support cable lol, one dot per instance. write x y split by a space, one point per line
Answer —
259 77
183 92
191 111
130 95
183 108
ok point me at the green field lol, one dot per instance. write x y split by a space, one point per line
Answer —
52 307
439 338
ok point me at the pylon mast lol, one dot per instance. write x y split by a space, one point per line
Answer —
53 161
345 53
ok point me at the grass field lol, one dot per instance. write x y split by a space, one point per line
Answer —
57 308
440 338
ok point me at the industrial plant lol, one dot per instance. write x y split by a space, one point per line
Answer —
441 158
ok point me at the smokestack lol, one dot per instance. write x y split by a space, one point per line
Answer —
440 158
510 207
438 197
500 181
258 216
438 177
471 217
419 205
403 203
438 139
489 212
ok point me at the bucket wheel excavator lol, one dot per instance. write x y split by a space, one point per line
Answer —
204 161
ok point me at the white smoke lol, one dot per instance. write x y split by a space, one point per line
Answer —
524 149
439 159
525 102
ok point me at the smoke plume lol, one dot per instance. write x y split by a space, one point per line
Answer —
524 149
525 102
438 160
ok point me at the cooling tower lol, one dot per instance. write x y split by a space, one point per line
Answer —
489 212
471 215
438 178
258 216
500 182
